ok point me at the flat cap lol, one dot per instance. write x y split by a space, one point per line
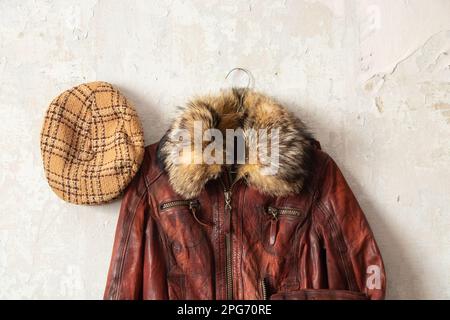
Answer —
92 143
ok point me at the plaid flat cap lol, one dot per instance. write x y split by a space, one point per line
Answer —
92 143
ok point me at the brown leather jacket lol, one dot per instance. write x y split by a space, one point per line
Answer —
193 232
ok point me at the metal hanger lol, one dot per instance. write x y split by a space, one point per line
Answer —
250 80
250 83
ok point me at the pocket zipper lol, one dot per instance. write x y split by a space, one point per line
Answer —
192 204
275 213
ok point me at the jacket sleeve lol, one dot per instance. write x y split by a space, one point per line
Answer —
353 260
126 268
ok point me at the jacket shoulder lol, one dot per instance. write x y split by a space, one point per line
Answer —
331 191
320 160
326 180
325 168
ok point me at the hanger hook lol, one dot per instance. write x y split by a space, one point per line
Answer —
251 79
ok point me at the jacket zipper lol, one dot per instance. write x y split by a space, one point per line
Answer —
275 213
228 244
180 203
228 241
264 289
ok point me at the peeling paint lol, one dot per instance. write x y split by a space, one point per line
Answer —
379 104
444 108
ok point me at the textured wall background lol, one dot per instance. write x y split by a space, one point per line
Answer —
371 78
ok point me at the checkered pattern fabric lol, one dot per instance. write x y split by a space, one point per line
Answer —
92 143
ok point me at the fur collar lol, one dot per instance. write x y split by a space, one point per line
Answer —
246 109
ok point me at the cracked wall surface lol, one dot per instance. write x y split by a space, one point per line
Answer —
371 79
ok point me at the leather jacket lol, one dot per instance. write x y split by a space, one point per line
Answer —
203 232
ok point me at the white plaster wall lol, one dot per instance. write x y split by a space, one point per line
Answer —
371 78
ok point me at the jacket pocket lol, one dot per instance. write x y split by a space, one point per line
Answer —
319 294
189 252
178 222
279 228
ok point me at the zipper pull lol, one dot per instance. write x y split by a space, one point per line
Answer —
273 225
193 206
274 212
228 200
273 231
